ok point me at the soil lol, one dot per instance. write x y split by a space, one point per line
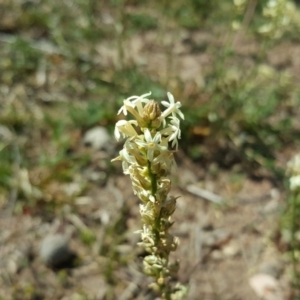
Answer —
221 245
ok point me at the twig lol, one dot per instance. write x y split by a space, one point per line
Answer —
41 45
246 21
195 190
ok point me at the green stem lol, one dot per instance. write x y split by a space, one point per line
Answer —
153 180
163 288
153 192
294 241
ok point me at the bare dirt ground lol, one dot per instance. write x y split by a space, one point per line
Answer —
221 247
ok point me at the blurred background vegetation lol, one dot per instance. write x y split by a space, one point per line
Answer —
66 66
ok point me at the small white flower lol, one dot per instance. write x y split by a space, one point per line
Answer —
147 213
166 161
138 100
172 107
147 235
138 177
293 166
125 129
164 184
172 132
295 183
151 144
132 149
127 160
144 195
134 101
272 3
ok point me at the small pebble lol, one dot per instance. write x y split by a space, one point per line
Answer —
215 238
98 138
55 252
232 249
217 255
272 268
266 287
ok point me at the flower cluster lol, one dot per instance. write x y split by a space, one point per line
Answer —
148 158
239 11
281 16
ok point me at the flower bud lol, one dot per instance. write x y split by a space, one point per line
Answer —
152 113
161 281
168 207
174 267
150 259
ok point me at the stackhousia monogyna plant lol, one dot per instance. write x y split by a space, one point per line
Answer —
148 158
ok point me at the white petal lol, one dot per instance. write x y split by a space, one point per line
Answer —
165 103
139 97
171 98
152 198
126 128
147 135
117 134
150 155
157 138
180 114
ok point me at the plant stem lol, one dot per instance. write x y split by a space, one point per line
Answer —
163 288
294 241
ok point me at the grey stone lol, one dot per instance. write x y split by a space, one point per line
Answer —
273 268
215 238
98 138
54 250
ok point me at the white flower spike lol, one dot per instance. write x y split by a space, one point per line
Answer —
148 159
